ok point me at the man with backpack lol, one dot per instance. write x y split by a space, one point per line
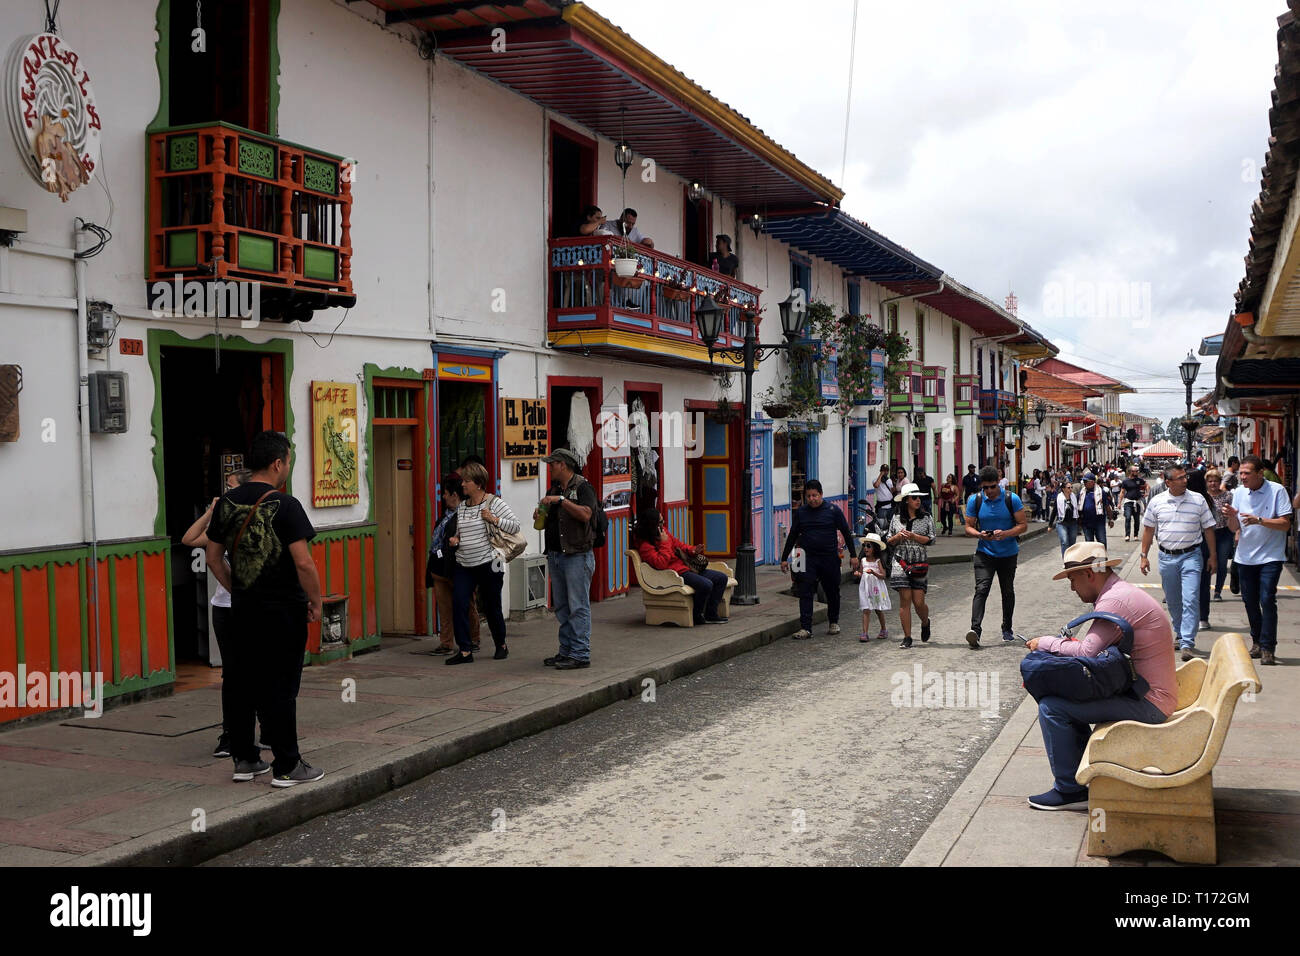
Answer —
572 518
996 517
1066 723
274 591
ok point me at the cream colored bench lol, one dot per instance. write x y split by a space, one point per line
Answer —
1151 786
670 600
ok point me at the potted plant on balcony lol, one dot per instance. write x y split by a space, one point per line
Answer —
624 261
676 289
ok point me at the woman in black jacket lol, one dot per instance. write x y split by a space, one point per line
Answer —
442 567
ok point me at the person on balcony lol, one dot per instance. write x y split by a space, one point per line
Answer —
723 259
594 223
625 226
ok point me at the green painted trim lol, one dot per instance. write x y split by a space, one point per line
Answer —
35 560
256 252
255 159
244 130
112 617
82 587
346 531
345 574
334 654
162 56
371 372
273 68
19 625
132 684
365 643
320 263
365 578
182 249
54 618
182 153
143 612
156 339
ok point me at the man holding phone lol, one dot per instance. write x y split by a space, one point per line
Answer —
1261 512
997 518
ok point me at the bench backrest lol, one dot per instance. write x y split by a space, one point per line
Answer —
1229 675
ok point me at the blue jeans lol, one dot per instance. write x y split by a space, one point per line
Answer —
1066 532
1180 575
1093 529
1259 594
1064 724
709 587
1224 544
1132 517
571 594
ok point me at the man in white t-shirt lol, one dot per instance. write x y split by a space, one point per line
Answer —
1261 511
1178 520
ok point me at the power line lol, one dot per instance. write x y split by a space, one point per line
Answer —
848 99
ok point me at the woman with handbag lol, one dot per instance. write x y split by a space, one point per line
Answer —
478 564
440 570
911 532
663 552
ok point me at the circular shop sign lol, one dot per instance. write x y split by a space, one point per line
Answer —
52 112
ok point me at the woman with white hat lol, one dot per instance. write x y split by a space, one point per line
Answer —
873 592
911 532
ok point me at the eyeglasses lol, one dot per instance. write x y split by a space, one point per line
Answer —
1179 478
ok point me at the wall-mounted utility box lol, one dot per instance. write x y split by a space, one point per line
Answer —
11 383
108 402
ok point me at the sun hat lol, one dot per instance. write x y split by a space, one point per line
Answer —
1086 556
909 490
873 538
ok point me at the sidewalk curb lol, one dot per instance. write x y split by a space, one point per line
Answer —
281 810
947 828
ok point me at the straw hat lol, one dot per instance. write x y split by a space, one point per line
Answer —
875 539
1086 556
908 490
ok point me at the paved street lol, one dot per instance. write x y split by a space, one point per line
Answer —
793 753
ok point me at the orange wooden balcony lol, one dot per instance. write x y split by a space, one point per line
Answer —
647 318
283 218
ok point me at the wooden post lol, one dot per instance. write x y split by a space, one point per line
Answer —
218 200
286 185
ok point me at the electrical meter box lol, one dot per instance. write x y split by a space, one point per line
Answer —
108 402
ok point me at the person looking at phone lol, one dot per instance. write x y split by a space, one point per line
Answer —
996 517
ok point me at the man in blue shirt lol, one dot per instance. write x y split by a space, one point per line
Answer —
813 527
996 518
1261 511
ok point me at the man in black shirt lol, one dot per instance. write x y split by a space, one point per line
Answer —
569 534
970 483
1133 489
723 259
813 527
274 592
926 484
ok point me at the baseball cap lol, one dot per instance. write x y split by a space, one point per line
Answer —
563 455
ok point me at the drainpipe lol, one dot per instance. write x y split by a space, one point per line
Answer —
89 533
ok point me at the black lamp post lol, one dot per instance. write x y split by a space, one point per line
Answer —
1010 418
710 318
1188 371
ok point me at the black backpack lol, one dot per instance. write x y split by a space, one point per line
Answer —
599 521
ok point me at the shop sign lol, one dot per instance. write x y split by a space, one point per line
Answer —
52 112
334 479
524 429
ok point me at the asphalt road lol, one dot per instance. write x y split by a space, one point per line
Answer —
809 752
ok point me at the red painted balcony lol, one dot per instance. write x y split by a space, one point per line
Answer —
283 220
966 394
648 317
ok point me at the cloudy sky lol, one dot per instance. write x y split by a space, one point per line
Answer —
1099 159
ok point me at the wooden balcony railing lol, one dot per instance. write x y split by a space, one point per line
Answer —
991 399
907 396
965 390
935 384
649 317
283 217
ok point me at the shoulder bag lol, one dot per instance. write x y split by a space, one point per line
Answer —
510 544
1110 674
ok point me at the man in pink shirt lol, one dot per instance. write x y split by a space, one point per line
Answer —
1066 723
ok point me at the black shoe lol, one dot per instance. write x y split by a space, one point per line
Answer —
474 646
925 631
906 642
440 651
460 659
698 620
569 664
502 653
553 661
222 749
714 620
973 639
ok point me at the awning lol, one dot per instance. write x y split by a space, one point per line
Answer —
567 58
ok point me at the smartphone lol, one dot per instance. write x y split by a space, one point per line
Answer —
1020 637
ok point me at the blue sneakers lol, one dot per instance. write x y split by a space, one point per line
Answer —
1055 800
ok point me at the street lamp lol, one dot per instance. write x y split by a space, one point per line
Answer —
709 319
1188 371
1009 418
1040 413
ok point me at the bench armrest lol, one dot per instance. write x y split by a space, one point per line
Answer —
1166 748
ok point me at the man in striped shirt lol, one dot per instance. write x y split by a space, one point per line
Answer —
1177 520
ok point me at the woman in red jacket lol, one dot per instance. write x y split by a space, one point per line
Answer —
658 549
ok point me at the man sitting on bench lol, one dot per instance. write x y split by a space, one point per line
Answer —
1065 723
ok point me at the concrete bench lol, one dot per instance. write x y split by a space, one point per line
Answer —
670 600
1153 783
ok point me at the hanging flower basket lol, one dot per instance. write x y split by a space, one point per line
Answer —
776 410
676 294
625 267
627 282
1035 446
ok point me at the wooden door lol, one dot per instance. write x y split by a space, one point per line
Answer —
713 475
395 544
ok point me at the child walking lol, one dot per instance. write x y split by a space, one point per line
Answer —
873 593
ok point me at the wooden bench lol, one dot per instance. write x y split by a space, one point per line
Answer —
1151 786
670 600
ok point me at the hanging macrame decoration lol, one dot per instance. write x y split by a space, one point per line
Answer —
582 435
198 36
638 426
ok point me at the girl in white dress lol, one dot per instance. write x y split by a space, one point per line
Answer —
873 593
